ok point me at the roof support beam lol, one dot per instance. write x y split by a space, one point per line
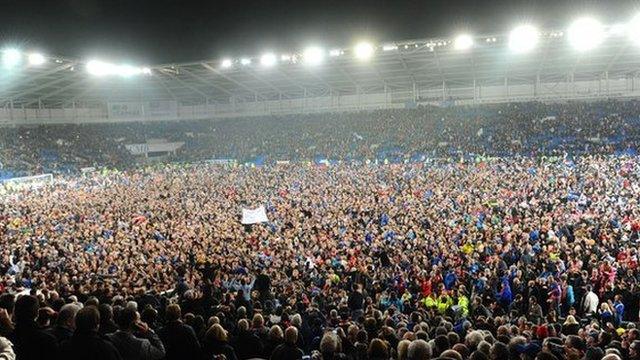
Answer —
217 72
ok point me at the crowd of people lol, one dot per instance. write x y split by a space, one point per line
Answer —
510 257
530 128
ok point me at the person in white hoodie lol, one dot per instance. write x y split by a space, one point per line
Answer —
6 349
590 302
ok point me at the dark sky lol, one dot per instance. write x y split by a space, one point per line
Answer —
163 31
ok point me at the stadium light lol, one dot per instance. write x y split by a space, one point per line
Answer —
313 55
463 42
99 68
335 52
226 63
585 34
618 29
36 59
633 30
268 60
523 39
364 51
127 70
245 61
11 58
389 47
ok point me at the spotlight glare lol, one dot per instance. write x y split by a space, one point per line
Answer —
226 63
285 57
127 70
100 68
463 42
245 61
523 39
633 30
389 47
335 52
313 55
11 58
268 60
364 51
36 59
585 34
146 71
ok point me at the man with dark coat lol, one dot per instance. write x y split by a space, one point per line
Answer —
180 340
29 341
86 343
146 347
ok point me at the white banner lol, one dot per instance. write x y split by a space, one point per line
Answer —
138 149
254 216
142 149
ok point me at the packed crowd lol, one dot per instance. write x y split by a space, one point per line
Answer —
397 135
511 258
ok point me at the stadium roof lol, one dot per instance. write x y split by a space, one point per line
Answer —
394 67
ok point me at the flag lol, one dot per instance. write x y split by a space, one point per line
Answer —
254 216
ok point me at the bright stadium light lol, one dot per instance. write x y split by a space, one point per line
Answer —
363 51
268 60
389 47
523 39
127 70
463 42
585 34
633 30
245 61
313 55
335 52
146 71
617 29
226 63
11 58
36 59
100 68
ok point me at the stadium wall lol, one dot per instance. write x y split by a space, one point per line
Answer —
441 95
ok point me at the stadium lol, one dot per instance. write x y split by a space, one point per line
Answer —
463 197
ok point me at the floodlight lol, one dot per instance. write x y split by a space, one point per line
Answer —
585 34
618 29
335 52
523 39
36 59
226 63
127 70
100 68
146 71
364 51
463 42
285 57
268 60
313 55
389 47
245 61
633 29
11 58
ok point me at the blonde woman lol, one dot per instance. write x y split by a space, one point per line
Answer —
216 342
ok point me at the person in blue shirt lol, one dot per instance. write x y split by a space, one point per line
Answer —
618 309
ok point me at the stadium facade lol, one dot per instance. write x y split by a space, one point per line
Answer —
398 75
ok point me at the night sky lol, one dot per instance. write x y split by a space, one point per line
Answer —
162 31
